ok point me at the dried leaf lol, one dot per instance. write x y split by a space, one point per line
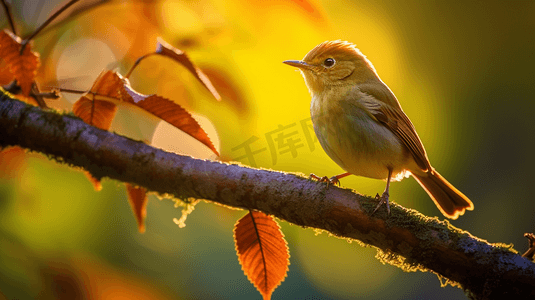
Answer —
100 113
260 13
311 9
172 113
96 183
262 251
182 58
12 162
137 196
23 67
95 112
109 84
97 107
228 88
5 74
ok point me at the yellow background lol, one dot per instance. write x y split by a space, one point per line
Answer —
463 72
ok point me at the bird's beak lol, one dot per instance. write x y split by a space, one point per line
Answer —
299 64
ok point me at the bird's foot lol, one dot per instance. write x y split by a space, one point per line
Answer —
333 180
382 199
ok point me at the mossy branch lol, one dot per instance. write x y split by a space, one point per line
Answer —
406 237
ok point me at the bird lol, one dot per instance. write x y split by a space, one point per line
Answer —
361 126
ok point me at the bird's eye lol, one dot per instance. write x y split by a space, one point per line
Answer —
329 62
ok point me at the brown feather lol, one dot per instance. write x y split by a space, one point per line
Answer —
451 202
375 135
401 126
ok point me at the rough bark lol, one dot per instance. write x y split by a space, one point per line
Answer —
406 237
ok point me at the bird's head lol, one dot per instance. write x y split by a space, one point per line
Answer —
333 63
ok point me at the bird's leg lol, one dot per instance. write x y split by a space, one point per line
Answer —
333 180
384 197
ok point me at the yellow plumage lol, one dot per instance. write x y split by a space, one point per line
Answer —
361 126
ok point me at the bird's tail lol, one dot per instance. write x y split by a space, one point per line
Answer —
451 202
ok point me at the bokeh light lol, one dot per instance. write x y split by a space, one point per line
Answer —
462 71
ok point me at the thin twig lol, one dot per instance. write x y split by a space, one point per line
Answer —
80 9
50 19
54 94
71 91
91 95
36 94
137 63
9 16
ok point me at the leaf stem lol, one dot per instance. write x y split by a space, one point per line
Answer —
71 91
7 9
137 63
49 95
36 94
50 19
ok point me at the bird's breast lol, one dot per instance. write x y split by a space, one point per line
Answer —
354 140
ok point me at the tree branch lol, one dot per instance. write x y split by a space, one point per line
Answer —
9 16
406 237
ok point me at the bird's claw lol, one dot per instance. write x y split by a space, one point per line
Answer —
382 199
333 180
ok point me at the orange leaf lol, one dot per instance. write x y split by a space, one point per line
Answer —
100 113
95 112
182 58
311 9
12 162
173 114
262 251
228 88
96 183
137 196
5 74
110 84
23 67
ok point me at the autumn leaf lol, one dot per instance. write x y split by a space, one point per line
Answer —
23 66
6 77
5 74
95 112
91 109
182 58
98 108
258 13
137 196
165 49
12 162
99 113
262 251
173 114
228 88
109 84
81 276
311 9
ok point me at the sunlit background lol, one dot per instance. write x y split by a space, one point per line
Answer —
462 70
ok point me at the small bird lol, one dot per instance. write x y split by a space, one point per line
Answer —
361 126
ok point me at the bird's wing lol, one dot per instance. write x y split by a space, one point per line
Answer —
396 120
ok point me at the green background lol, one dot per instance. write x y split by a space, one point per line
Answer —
462 70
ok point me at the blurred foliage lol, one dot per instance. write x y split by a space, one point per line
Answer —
463 72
